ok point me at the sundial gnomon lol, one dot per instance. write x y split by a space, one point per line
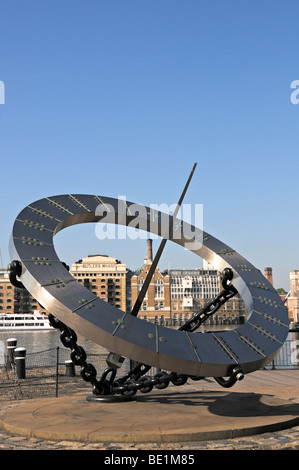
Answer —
180 354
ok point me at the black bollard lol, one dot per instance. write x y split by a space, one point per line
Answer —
70 368
294 336
11 346
20 355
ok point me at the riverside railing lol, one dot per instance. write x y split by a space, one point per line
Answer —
52 373
44 373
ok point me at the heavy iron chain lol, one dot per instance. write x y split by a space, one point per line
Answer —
78 355
128 385
136 380
211 308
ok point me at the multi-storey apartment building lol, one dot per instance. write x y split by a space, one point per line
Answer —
180 293
16 300
6 293
105 277
193 289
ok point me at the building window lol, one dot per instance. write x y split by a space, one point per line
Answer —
140 284
159 289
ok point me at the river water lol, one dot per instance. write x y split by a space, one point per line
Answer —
36 341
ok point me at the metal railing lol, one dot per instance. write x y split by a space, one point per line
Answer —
287 357
45 373
51 373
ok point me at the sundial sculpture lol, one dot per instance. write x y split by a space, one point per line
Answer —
184 353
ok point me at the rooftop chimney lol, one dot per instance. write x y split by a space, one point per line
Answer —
269 275
149 258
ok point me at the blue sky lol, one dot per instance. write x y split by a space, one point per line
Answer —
121 97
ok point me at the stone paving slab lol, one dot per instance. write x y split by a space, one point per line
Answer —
198 415
173 416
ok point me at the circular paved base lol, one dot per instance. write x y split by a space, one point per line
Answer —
171 416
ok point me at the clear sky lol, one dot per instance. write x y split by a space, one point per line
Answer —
121 97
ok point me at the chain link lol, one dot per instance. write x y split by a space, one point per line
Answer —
68 338
227 293
136 380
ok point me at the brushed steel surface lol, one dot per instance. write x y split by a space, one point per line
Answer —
251 345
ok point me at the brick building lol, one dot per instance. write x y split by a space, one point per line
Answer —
106 277
178 294
157 299
16 300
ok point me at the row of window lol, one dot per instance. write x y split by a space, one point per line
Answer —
96 280
161 305
194 289
104 293
103 286
158 305
196 280
97 274
159 288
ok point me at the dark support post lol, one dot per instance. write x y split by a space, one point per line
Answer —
294 335
70 368
133 364
20 360
57 369
11 346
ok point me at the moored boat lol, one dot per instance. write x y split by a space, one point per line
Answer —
24 321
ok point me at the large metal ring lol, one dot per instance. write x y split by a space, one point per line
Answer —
251 345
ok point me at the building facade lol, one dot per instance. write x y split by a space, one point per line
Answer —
16 300
192 289
6 293
293 299
176 295
157 299
106 277
173 296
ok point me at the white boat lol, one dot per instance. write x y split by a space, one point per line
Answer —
24 321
